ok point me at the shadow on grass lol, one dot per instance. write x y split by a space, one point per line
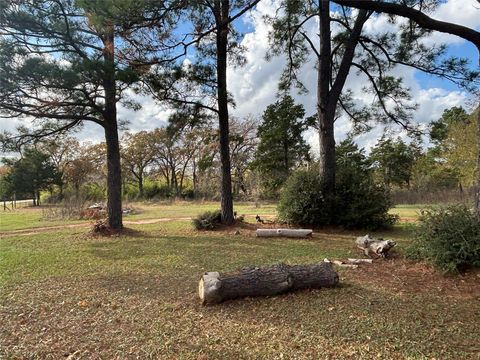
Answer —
165 287
120 249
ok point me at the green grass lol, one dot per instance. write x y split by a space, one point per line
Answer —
183 209
153 248
407 211
65 292
28 218
31 218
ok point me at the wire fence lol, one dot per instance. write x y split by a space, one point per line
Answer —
433 197
12 204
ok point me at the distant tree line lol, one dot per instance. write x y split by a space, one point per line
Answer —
174 162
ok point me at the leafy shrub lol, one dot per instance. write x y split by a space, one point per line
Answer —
153 190
94 192
208 220
188 194
130 192
448 237
302 201
357 203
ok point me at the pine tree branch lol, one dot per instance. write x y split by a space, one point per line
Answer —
347 59
417 16
381 100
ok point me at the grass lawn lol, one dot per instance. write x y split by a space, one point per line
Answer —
65 293
32 217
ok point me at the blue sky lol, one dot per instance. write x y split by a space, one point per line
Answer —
465 50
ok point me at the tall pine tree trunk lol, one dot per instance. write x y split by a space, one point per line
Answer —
477 190
194 179
114 176
327 150
222 11
328 97
114 173
325 115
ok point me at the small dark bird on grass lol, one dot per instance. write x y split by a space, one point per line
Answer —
259 219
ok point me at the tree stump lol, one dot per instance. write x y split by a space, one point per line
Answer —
379 247
284 233
266 281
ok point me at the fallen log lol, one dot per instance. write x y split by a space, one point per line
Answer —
214 287
379 246
359 261
295 233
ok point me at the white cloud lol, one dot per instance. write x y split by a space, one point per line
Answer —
150 116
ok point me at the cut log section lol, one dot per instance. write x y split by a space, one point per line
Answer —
294 233
360 261
266 281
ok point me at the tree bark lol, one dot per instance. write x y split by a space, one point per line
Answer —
328 98
114 172
222 8
267 281
327 151
194 179
140 184
324 115
477 190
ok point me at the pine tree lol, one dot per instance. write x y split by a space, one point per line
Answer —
66 62
282 147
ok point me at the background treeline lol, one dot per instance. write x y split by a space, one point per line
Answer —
183 161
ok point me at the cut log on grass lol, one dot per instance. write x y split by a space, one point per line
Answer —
360 261
266 281
294 233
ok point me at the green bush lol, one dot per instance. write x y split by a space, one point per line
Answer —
153 190
130 192
94 192
302 202
188 194
208 220
357 203
448 237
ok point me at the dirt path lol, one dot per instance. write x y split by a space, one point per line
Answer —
44 229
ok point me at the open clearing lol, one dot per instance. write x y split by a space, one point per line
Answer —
66 294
